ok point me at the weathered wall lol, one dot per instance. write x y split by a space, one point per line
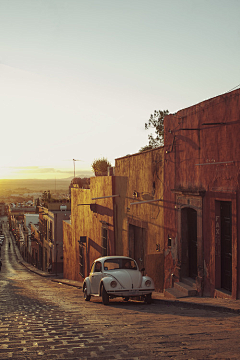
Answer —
35 239
68 269
57 205
202 160
140 178
59 217
88 221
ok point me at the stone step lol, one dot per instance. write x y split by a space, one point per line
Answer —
189 281
173 293
185 289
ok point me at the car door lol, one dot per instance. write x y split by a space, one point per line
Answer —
95 277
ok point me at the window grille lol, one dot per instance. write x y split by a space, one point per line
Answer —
104 241
81 255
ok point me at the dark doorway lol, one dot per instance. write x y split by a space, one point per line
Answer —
226 245
189 242
136 244
40 257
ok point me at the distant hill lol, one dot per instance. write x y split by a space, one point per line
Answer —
34 185
39 185
82 175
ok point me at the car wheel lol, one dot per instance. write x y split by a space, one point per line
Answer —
105 296
148 299
126 298
86 296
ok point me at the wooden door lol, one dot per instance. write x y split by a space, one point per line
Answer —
192 242
226 245
137 244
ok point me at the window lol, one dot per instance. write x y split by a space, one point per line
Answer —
104 240
83 240
50 231
92 268
46 259
81 261
114 264
98 267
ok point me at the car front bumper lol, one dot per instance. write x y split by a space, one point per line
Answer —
129 293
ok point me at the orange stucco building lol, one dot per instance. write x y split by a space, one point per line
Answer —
119 215
139 211
201 196
90 233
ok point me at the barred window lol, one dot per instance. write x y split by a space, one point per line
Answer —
82 241
104 240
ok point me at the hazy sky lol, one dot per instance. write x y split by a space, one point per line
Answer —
79 78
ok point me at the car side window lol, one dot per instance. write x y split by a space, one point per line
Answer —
92 268
98 267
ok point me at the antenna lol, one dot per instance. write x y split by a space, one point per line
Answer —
74 160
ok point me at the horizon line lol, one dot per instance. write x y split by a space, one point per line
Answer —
49 179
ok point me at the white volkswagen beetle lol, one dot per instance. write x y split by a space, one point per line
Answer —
117 276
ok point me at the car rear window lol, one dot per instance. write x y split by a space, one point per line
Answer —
114 264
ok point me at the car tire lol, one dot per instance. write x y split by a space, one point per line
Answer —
105 296
148 298
86 296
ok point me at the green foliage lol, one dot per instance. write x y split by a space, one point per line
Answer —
145 148
156 121
100 166
81 182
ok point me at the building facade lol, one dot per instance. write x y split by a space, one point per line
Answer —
121 214
51 217
3 209
35 258
26 230
90 233
139 211
201 196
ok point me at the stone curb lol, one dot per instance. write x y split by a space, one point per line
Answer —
199 306
155 300
169 302
72 283
36 271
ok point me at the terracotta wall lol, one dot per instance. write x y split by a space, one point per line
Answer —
70 271
35 244
202 155
59 217
140 178
88 221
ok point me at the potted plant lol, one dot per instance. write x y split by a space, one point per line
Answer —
100 166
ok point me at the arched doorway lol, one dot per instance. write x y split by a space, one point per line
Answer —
189 242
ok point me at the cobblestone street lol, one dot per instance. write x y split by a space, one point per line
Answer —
41 318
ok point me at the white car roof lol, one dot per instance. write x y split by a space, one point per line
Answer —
104 258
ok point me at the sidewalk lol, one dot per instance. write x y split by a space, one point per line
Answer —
206 303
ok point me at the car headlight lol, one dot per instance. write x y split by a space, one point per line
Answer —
113 283
148 283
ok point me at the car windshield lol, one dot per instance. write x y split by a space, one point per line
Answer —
115 264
